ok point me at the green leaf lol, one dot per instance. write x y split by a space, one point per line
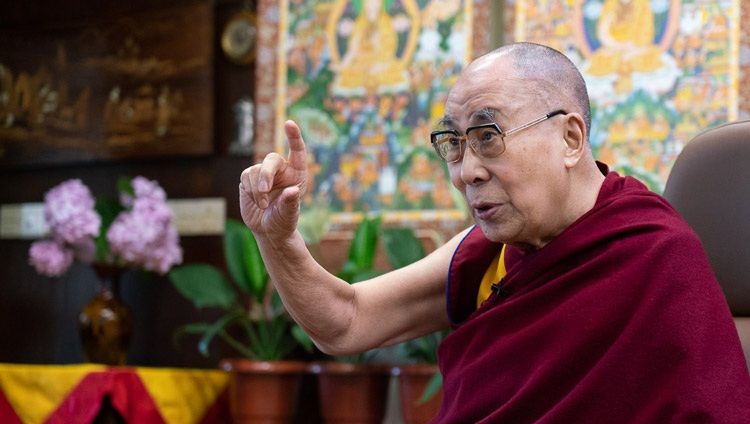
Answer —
256 268
243 259
433 386
192 328
402 246
108 208
348 271
365 275
234 253
217 327
303 338
240 347
276 305
364 244
125 186
204 285
424 349
270 340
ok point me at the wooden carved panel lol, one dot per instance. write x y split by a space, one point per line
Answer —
137 85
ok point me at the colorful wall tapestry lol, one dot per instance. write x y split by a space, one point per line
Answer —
658 71
366 80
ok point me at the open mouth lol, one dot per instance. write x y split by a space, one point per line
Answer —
484 211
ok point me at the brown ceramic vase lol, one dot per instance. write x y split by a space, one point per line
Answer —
106 324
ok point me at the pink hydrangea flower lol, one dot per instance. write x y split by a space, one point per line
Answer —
147 189
146 236
50 258
70 214
166 253
142 236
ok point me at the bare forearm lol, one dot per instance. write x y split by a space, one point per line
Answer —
270 194
346 319
317 300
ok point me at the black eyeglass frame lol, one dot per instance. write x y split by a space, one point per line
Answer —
463 138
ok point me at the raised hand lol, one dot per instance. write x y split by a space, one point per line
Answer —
270 191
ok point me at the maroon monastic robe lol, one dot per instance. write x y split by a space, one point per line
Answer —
618 320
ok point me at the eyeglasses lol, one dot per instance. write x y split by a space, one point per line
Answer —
487 140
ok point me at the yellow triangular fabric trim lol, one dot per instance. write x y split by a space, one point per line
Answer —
35 391
494 273
183 395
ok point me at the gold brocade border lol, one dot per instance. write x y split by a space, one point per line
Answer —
35 391
181 395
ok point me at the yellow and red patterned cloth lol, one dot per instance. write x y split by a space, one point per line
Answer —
51 394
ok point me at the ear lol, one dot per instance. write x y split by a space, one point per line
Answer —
575 139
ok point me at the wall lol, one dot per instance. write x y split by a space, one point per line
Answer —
39 314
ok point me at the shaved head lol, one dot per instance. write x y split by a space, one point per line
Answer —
557 80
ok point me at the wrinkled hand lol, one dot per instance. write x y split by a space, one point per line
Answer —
270 191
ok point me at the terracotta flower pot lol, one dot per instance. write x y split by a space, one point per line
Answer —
412 381
352 393
263 392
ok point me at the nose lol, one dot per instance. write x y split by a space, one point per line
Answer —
473 170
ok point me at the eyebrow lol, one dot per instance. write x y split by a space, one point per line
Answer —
446 122
483 115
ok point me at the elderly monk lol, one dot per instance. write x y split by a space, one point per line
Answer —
578 297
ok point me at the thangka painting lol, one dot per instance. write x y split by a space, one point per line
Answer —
366 81
658 71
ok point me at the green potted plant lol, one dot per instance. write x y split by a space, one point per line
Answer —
353 388
419 380
259 329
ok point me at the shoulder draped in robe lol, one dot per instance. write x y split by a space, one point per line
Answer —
618 320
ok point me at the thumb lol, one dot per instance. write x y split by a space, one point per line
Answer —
289 204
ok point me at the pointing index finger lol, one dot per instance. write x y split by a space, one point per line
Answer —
297 152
